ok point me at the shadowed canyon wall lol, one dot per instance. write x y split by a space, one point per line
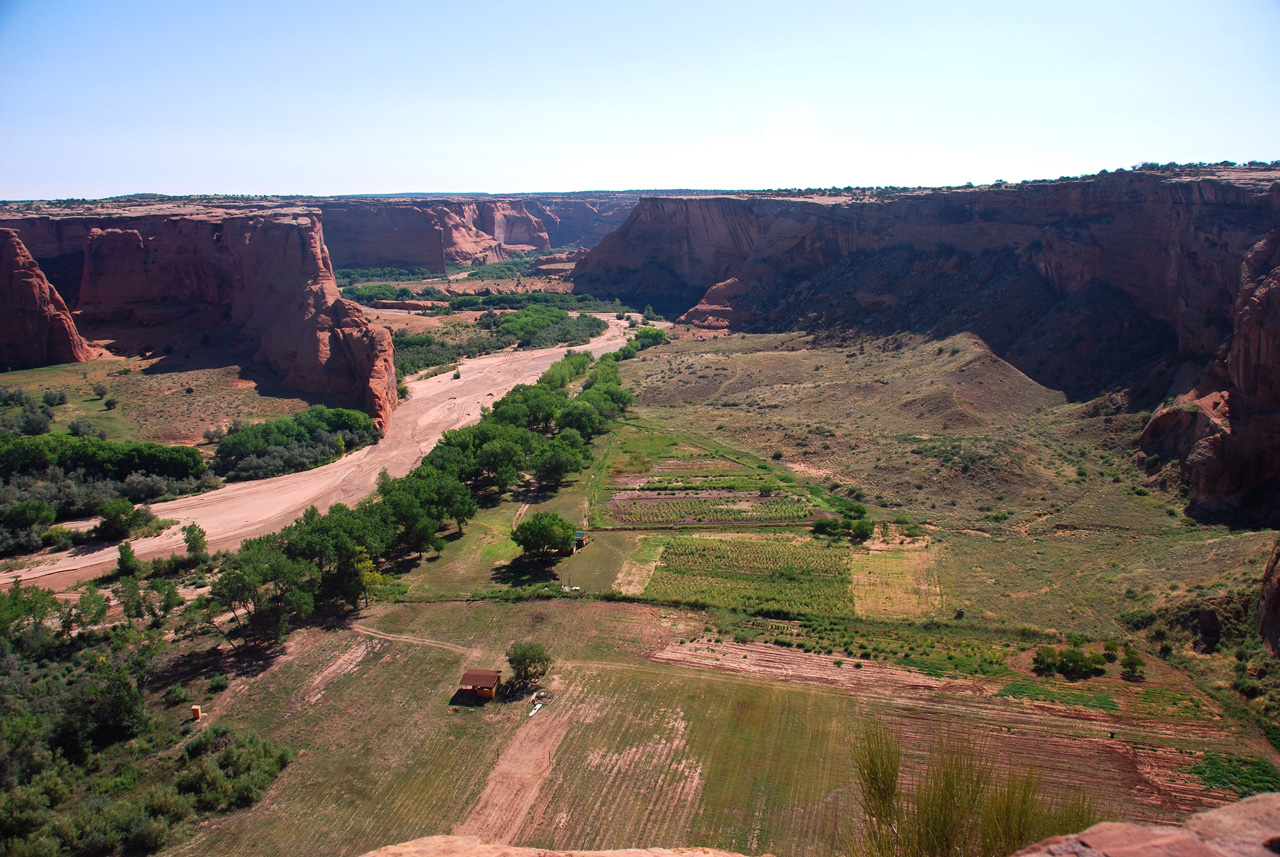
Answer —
268 268
1084 284
428 233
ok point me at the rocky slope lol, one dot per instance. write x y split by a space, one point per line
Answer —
268 268
1083 284
36 328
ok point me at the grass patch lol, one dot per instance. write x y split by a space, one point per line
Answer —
1237 774
1058 696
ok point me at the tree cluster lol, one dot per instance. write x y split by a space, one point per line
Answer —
57 477
289 444
72 702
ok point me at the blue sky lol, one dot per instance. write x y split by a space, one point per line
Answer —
275 96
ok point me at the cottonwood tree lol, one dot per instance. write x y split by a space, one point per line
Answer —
543 533
529 662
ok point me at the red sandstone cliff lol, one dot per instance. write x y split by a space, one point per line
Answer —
1077 282
36 329
270 269
406 233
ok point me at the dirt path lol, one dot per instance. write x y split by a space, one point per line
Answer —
634 576
247 509
512 788
343 664
408 638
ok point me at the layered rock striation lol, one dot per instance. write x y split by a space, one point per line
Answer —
36 328
1083 284
268 268
408 233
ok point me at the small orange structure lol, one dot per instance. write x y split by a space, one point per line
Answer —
195 712
485 683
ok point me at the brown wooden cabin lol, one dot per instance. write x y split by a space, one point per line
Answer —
485 683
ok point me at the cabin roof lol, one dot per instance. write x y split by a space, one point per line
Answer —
481 678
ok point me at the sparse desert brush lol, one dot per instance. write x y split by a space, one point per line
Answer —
961 803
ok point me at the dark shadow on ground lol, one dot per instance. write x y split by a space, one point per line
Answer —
527 570
465 696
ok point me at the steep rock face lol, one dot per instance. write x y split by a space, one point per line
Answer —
581 219
36 328
368 234
1269 605
409 233
1080 283
269 268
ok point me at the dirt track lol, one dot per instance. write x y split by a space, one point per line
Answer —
246 509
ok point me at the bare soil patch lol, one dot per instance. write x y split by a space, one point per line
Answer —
514 781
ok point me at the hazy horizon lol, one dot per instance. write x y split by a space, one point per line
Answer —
325 99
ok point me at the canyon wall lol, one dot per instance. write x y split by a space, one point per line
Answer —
36 328
1083 284
269 268
410 233
407 232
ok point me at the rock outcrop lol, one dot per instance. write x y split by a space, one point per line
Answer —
36 328
269 269
1083 284
1248 828
470 846
1269 605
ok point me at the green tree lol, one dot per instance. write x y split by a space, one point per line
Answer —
581 417
197 544
115 521
1045 661
502 460
863 529
128 563
544 533
529 662
556 462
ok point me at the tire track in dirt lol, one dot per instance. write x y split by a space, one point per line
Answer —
341 665
511 790
409 638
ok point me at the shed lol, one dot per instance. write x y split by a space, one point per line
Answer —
580 539
484 682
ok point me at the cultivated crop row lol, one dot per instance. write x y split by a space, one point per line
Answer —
762 577
690 510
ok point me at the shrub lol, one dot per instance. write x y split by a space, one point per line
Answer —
53 398
1133 667
1045 661
177 695
1076 664
218 683
100 390
110 404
